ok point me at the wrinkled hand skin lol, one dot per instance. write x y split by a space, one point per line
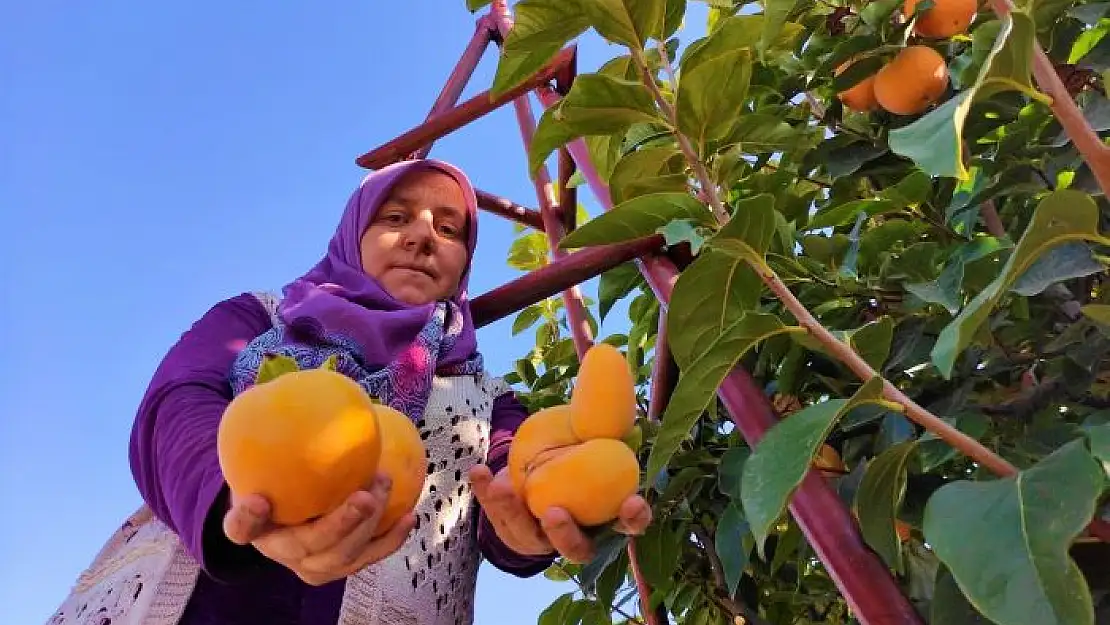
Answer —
555 531
331 547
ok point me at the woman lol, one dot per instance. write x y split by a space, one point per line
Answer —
391 294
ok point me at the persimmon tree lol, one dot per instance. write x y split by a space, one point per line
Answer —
894 223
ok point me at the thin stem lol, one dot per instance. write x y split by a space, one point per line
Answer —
962 442
734 607
957 439
707 185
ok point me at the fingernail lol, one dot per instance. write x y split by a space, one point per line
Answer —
385 481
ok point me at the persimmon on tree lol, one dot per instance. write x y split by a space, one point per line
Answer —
891 214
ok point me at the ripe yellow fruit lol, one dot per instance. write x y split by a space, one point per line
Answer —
573 456
590 480
305 440
403 459
912 81
942 20
604 397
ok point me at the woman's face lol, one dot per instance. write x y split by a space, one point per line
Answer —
416 245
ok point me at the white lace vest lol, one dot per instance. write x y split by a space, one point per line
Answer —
143 576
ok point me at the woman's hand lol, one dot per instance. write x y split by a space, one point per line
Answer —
555 530
331 547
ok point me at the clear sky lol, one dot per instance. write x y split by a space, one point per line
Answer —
156 157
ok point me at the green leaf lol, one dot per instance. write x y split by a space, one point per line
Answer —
627 22
713 84
1099 439
729 544
657 169
274 366
658 552
608 548
1063 216
639 217
949 605
749 233
474 5
934 141
540 29
615 284
1099 313
1006 541
596 104
527 318
529 252
710 295
731 469
1064 262
782 457
558 612
697 384
877 501
775 14
761 133
683 231
872 341
848 212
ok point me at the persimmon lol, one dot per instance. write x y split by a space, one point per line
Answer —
304 439
403 459
604 397
942 20
859 97
912 81
577 456
903 529
828 461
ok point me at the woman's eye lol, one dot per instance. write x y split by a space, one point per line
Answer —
449 230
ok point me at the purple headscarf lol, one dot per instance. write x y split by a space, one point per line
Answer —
390 347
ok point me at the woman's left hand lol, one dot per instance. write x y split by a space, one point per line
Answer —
555 530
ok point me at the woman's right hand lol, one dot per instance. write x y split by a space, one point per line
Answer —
331 547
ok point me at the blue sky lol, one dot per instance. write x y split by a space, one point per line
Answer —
159 157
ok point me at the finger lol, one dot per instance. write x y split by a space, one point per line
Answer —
508 513
345 552
385 545
327 531
634 516
247 520
565 535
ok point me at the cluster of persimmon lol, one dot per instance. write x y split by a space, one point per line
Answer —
578 456
917 76
307 439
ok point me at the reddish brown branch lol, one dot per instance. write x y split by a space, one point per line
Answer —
456 117
509 209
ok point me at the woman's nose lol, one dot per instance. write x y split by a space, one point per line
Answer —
421 231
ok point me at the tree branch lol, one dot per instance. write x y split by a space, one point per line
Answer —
707 185
735 608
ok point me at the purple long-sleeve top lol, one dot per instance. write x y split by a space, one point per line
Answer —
175 466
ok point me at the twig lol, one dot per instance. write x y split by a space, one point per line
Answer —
734 607
987 209
707 185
